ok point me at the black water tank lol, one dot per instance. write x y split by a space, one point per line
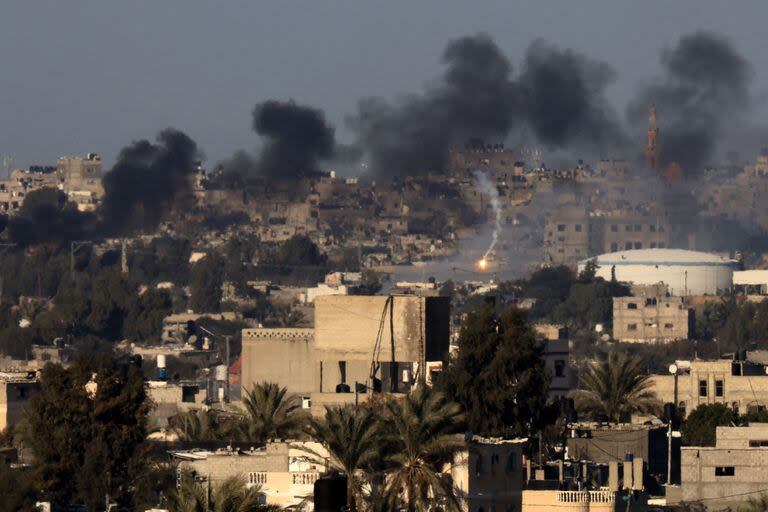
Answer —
331 493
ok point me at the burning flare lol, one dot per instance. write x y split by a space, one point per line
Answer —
482 264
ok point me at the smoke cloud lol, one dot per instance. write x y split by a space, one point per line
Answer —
559 95
705 88
147 181
297 139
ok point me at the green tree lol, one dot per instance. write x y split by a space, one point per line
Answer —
207 278
498 375
271 413
699 428
615 387
17 490
196 426
352 437
144 316
299 251
420 429
86 444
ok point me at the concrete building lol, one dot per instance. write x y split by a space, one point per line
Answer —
176 326
15 390
741 385
489 474
568 235
282 355
557 351
172 398
684 272
371 343
651 319
731 472
285 472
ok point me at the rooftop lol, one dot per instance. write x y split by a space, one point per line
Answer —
661 257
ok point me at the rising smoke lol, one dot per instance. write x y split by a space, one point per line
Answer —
703 93
483 182
297 139
559 96
147 181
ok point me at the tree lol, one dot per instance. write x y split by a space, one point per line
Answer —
421 429
271 412
299 251
232 495
195 426
352 437
17 490
86 444
699 429
615 387
207 278
370 283
498 375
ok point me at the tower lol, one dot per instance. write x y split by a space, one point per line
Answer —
651 145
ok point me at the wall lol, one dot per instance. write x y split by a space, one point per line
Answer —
651 319
285 356
14 396
489 475
700 481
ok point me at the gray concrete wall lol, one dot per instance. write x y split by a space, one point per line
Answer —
284 356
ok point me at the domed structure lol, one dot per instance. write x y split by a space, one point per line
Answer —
684 272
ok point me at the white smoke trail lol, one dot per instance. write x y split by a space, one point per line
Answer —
486 186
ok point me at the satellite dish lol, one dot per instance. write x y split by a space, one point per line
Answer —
673 368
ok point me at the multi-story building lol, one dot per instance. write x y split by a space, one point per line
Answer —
651 319
741 385
15 390
729 473
489 474
285 471
557 351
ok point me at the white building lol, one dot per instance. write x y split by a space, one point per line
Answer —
684 272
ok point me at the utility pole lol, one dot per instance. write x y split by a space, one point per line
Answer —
226 382
124 259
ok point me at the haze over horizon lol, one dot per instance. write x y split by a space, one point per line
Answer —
90 76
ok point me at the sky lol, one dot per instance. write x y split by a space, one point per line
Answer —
92 76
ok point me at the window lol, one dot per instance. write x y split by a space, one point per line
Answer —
628 246
719 388
511 463
638 245
669 326
614 228
628 228
638 228
614 247
559 368
725 471
650 301
632 327
652 228
758 443
702 388
577 227
632 305
653 245
662 245
561 227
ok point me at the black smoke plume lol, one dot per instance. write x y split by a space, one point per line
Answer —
559 96
147 181
297 139
704 90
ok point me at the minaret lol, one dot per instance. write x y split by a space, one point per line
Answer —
651 147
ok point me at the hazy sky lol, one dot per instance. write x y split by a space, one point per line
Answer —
81 76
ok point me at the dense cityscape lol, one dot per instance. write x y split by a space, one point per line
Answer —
497 293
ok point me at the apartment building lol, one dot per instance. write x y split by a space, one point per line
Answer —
651 319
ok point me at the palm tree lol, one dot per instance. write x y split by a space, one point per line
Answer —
755 504
232 495
271 413
421 428
352 437
196 426
616 386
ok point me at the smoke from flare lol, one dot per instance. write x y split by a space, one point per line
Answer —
485 185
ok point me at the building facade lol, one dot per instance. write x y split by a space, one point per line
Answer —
651 319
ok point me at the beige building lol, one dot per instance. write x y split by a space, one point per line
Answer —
15 391
557 351
741 385
172 398
285 472
489 474
651 319
731 472
282 355
375 343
